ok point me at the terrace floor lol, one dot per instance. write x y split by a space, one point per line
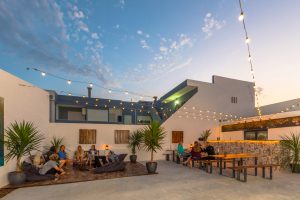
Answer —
173 182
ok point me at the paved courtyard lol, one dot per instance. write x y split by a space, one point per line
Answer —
173 182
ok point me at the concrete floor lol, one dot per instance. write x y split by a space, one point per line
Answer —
173 182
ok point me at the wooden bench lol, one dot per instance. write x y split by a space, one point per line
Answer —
207 165
243 169
167 156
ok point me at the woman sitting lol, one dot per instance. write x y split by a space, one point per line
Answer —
92 154
80 156
51 167
63 158
195 154
182 152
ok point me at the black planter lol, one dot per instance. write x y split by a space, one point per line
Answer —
16 178
133 158
295 168
151 167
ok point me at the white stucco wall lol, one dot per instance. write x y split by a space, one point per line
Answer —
22 101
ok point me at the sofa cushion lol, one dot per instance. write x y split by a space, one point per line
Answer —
112 167
32 173
121 157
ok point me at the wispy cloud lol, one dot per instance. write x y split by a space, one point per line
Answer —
35 30
211 25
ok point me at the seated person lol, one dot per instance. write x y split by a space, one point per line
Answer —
181 151
195 154
107 154
91 154
113 157
51 167
51 151
63 158
80 156
209 150
38 160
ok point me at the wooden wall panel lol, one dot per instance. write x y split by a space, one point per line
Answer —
87 136
121 136
177 136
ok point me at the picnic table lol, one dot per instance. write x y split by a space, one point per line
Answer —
234 157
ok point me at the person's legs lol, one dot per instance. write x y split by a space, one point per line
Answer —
62 163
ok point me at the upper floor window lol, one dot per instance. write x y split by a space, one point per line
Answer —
234 99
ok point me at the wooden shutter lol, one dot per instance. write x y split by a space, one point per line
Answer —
121 136
177 136
87 136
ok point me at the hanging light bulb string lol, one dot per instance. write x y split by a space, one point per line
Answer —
247 41
89 84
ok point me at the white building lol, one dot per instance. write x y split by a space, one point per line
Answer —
204 105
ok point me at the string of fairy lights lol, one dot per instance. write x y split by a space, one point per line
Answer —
247 41
88 84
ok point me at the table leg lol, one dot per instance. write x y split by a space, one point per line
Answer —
233 165
255 162
220 166
173 156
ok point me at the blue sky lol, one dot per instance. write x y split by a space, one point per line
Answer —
151 46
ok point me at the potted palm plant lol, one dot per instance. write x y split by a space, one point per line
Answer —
20 139
135 140
153 136
56 142
291 152
205 134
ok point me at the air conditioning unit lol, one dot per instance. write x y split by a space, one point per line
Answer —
83 111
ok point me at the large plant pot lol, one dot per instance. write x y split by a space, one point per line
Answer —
16 178
151 167
295 168
133 158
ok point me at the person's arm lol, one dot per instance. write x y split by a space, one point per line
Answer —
58 169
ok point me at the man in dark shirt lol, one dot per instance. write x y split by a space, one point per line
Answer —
210 151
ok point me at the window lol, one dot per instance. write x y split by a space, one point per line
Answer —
70 113
256 135
143 119
177 136
121 136
115 115
87 136
97 115
234 100
1 131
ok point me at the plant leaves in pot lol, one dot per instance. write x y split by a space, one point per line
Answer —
135 140
154 135
20 139
290 155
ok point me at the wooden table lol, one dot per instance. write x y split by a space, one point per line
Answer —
173 154
233 157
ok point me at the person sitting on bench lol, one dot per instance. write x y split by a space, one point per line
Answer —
183 153
195 154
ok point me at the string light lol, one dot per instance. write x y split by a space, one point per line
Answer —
247 40
69 81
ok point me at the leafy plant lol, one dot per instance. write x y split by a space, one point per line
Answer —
56 142
205 134
153 136
135 140
20 139
291 155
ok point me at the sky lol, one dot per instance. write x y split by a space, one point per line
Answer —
150 46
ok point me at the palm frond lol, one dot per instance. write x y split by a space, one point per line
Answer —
135 140
20 139
290 151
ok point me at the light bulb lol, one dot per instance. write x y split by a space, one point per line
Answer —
250 58
91 84
69 94
241 17
43 73
69 82
247 40
109 91
126 92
